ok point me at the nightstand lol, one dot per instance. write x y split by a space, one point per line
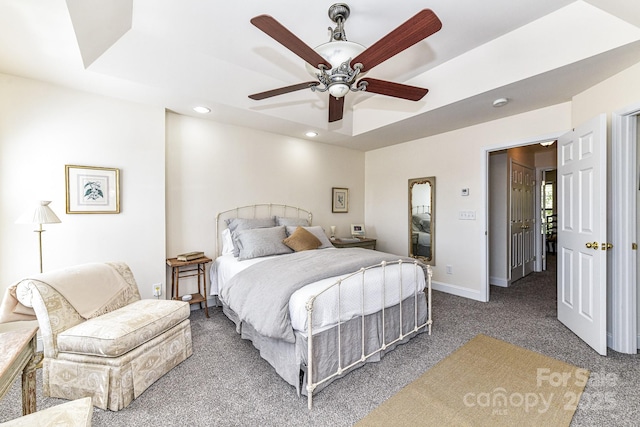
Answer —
363 242
195 267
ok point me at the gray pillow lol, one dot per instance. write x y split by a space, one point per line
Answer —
237 224
291 221
259 242
317 231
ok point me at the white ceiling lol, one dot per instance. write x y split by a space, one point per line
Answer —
179 54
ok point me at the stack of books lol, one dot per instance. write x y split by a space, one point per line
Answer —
189 256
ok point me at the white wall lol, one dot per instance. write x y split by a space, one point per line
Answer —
42 128
458 160
612 94
499 219
212 167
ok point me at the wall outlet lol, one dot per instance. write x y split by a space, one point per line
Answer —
157 289
449 269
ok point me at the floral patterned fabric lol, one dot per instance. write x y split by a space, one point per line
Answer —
77 414
123 352
117 332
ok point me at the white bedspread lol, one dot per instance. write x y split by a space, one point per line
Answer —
406 280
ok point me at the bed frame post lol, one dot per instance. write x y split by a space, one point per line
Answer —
310 384
429 275
417 267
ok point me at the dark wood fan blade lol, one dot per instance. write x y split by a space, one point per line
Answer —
417 28
282 90
398 90
336 107
286 38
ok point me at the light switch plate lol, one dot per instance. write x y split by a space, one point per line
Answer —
467 215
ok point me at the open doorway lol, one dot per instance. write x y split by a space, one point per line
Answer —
522 208
548 215
622 297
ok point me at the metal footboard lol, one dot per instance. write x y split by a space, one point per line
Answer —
417 267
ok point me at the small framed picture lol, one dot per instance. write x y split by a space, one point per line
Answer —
92 189
357 230
339 200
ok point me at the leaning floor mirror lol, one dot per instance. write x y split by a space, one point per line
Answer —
422 219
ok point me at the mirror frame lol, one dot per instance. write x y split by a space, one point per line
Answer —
432 226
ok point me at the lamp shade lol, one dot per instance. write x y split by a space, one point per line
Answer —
41 213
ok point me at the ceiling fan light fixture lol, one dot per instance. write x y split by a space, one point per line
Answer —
338 90
339 65
336 53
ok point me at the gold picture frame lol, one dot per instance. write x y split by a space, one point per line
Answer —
92 190
339 200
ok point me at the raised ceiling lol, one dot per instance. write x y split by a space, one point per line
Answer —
179 54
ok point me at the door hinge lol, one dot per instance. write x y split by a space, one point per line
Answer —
634 246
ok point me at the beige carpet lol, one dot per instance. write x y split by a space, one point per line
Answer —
487 382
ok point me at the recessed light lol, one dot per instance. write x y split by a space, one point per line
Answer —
500 102
311 134
202 110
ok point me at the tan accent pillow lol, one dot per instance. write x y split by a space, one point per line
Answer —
302 240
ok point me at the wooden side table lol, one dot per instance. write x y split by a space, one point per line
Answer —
362 242
181 269
18 354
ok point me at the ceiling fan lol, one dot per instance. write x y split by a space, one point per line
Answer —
340 65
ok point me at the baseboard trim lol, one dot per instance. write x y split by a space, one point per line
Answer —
211 302
499 281
458 291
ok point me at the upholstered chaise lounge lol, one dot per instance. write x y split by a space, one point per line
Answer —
100 339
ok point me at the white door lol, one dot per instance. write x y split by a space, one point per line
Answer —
529 219
582 232
522 221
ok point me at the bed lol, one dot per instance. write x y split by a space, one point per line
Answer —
313 311
421 231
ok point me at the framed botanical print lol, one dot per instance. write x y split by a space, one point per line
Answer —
92 189
339 200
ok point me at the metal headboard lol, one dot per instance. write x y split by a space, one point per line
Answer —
260 210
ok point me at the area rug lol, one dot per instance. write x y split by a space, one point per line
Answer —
487 382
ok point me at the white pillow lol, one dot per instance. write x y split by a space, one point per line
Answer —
227 242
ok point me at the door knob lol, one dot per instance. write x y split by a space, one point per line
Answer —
593 245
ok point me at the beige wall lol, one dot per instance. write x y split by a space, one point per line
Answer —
458 160
613 94
212 167
42 128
